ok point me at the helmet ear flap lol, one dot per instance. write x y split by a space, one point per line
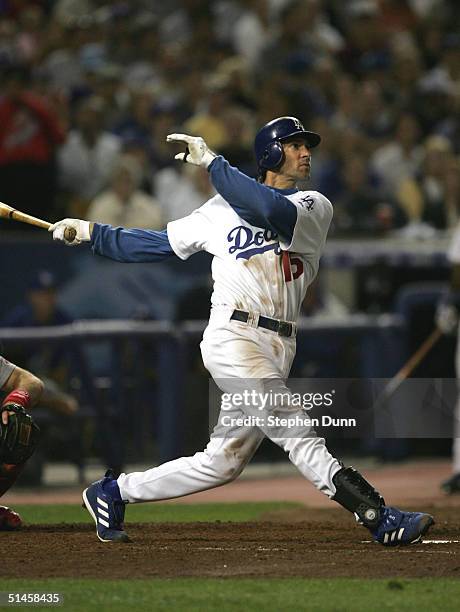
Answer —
272 156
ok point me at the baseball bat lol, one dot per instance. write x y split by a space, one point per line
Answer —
410 365
7 212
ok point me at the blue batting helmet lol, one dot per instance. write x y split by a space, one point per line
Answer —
267 144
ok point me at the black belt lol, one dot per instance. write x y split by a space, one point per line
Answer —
282 328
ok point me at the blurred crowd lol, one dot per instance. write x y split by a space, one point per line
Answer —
90 89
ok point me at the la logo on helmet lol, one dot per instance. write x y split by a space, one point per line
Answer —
298 125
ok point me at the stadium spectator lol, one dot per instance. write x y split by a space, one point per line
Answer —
253 30
60 57
360 210
106 82
164 119
373 117
29 134
87 158
423 197
326 171
181 191
404 74
137 120
239 135
400 158
209 117
365 35
124 204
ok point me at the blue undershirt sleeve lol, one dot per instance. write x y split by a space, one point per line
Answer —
130 245
254 202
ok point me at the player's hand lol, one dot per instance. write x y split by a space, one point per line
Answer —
5 414
197 151
446 318
61 230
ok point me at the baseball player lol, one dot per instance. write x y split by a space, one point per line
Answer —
447 319
266 237
18 433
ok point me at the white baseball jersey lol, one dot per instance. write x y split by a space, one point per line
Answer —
252 269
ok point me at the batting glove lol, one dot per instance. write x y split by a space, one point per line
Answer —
197 151
446 318
62 230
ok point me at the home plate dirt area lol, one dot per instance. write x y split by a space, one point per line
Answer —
300 542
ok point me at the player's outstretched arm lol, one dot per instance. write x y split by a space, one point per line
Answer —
130 245
252 201
118 243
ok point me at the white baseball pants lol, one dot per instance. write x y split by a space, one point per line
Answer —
234 351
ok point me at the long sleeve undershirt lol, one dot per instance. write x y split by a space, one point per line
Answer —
130 245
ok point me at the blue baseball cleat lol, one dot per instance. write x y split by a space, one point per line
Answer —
103 502
398 528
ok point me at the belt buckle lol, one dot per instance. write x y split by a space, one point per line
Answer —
284 328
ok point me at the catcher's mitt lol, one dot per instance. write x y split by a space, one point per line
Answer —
19 437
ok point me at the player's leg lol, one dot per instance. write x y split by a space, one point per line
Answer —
9 520
222 460
272 357
346 486
244 361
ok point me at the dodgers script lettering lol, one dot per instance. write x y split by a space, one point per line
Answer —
243 237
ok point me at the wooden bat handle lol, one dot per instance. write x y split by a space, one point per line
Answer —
8 212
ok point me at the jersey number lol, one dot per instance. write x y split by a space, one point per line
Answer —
292 266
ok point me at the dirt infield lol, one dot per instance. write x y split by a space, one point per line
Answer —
308 543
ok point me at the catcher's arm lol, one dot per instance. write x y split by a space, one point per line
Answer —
19 433
23 389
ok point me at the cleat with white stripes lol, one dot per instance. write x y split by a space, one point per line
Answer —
398 528
108 513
